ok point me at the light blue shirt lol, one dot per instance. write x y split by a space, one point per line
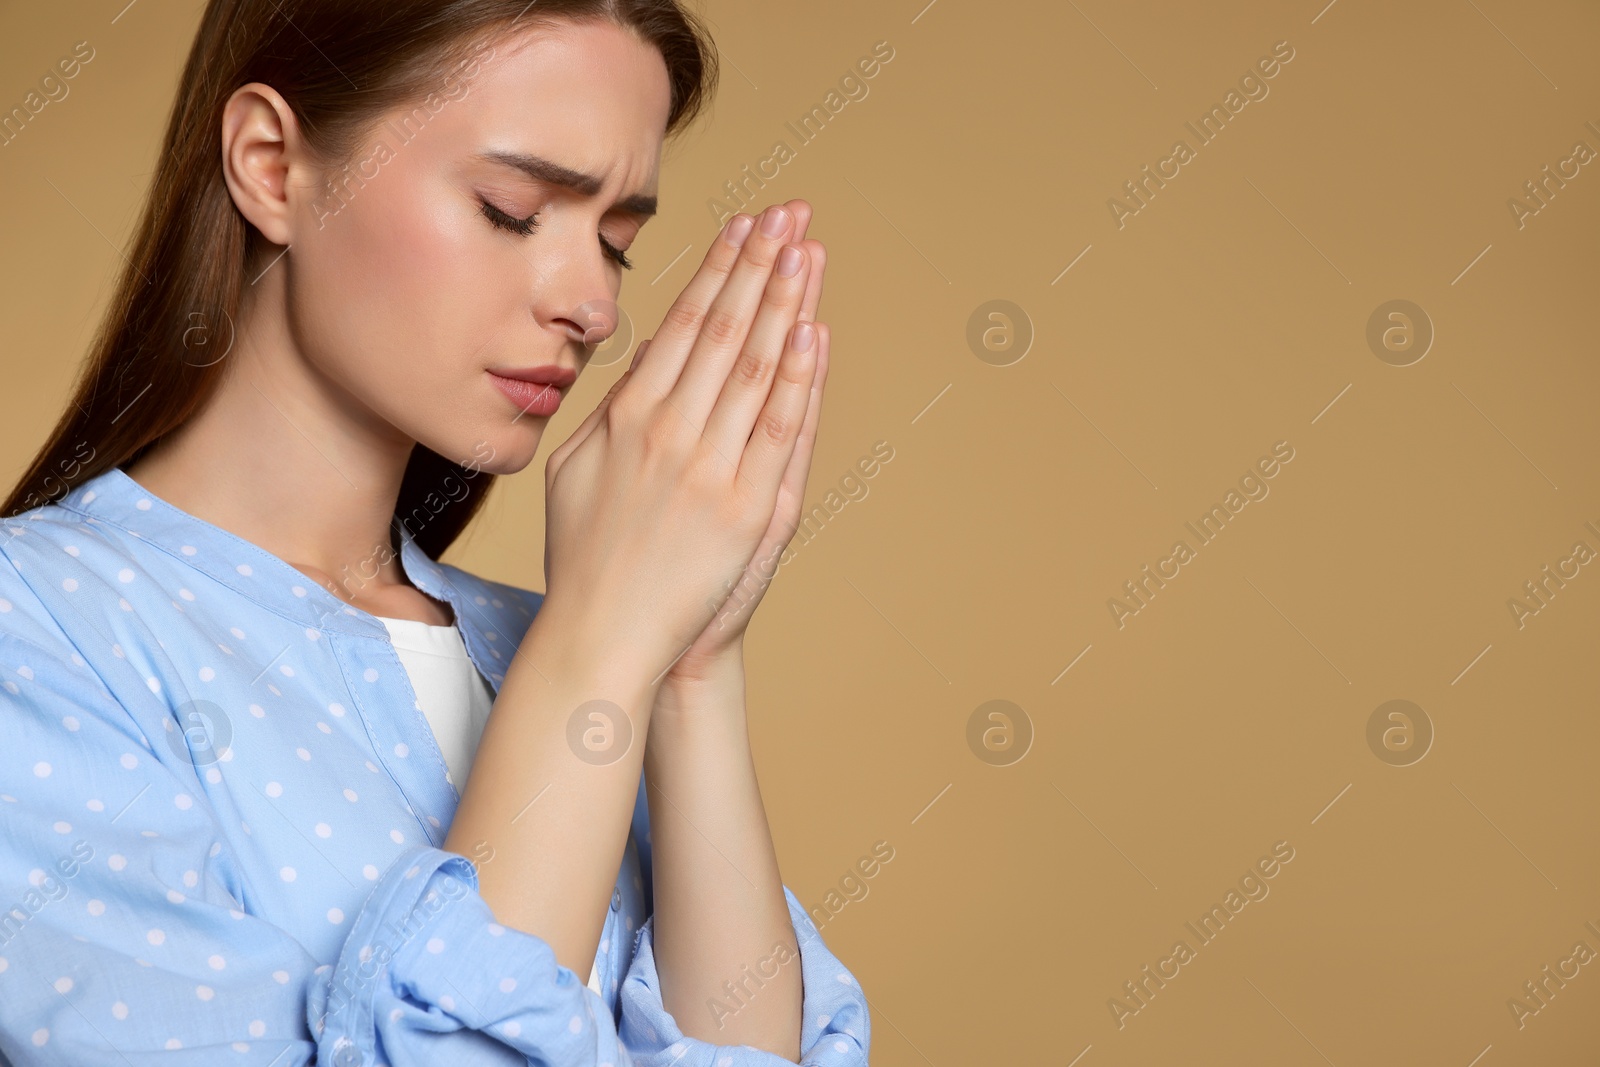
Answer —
221 819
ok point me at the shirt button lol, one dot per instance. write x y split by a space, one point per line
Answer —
616 899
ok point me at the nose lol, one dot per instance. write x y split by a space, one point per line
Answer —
592 321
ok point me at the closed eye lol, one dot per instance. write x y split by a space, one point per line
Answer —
524 227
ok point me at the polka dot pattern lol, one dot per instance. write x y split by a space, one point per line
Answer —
221 735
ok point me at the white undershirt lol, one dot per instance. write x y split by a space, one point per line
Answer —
453 694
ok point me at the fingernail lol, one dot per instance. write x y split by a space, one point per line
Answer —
774 221
804 334
789 261
739 229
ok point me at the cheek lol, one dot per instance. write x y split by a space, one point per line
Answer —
396 294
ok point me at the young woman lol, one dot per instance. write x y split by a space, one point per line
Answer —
241 696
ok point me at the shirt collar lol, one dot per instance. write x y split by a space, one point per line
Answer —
113 498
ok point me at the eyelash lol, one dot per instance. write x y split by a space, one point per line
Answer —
523 227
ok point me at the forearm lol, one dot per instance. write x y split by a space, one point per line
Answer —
724 942
545 822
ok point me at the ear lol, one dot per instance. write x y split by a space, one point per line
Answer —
262 159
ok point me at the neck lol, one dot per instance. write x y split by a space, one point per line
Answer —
285 458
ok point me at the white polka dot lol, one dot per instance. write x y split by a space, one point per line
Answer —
302 753
40 1037
843 978
841 1046
447 1002
63 828
281 977
120 1010
297 590
154 684
117 862
286 670
335 916
206 674
125 575
186 594
71 723
184 801
217 963
155 937
175 897
512 1029
258 711
274 790
41 770
495 929
402 750
63 985
324 727
575 1024
258 1028
244 569
287 874
142 504
350 795
397 837
97 907
324 830
129 761
370 873
188 550
370 675
204 992
507 985
70 585
435 945
312 635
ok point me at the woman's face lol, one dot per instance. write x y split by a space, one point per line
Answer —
412 281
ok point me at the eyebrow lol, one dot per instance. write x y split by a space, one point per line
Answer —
553 173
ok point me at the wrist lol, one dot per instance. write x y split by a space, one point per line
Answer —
575 644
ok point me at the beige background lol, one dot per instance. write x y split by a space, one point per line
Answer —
1227 315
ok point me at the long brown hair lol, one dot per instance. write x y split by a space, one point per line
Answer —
340 65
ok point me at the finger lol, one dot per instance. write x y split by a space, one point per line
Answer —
681 325
801 210
733 310
778 428
799 468
818 256
745 388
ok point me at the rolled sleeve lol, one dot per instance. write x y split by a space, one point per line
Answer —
125 939
835 1028
425 960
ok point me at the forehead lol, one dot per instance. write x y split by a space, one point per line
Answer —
589 95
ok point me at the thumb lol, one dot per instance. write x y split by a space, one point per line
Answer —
586 427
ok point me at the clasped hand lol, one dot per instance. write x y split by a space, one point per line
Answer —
669 506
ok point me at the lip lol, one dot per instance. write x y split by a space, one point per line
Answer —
535 391
549 374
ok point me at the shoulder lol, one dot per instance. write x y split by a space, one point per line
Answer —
42 549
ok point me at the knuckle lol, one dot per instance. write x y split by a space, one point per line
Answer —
751 369
722 326
684 317
774 427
